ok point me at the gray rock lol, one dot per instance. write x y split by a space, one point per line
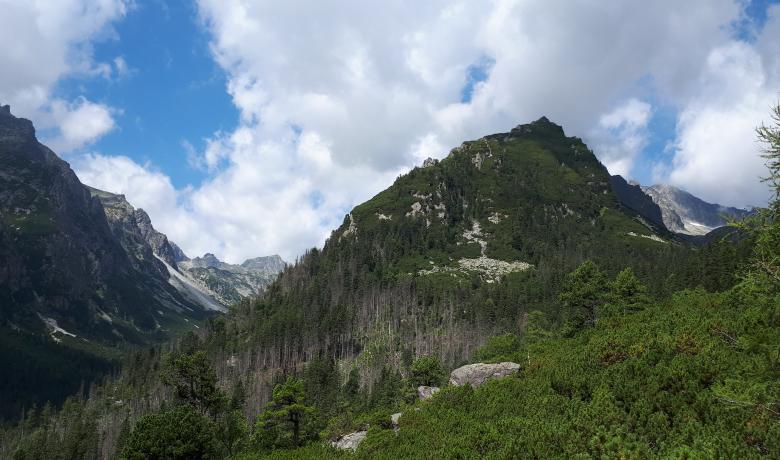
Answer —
425 392
349 441
685 213
479 373
394 418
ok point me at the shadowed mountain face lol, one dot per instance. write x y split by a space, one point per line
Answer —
70 290
685 213
634 198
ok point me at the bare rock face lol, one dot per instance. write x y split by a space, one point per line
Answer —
685 213
425 392
477 374
350 441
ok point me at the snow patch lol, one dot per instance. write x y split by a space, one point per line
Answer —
497 217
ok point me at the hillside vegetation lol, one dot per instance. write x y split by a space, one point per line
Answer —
632 343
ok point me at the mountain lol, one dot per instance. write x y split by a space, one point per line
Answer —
634 198
451 253
206 281
71 289
83 275
474 246
687 214
230 283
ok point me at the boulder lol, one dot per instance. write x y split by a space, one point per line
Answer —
394 419
425 392
349 441
479 373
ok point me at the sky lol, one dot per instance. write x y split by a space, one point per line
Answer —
247 128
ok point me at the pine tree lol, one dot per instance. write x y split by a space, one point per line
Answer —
195 383
286 422
584 292
627 293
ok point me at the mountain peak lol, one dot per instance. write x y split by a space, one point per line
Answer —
269 263
14 130
541 126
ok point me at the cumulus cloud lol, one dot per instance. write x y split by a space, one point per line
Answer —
275 197
44 41
716 154
621 135
80 123
336 99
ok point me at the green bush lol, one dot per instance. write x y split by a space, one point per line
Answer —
427 371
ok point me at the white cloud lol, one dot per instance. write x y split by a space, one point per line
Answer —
336 98
716 152
289 203
621 135
80 123
44 41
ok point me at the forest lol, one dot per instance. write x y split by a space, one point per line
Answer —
628 347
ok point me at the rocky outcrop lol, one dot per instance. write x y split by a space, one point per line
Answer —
268 264
426 392
230 283
477 374
687 214
350 441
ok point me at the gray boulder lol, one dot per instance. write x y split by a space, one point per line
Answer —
394 419
349 441
425 392
479 373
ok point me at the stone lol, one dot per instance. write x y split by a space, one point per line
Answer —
349 441
479 373
394 418
426 392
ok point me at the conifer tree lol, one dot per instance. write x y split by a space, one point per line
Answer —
584 292
286 422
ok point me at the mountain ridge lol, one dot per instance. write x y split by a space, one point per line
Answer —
687 214
80 279
207 281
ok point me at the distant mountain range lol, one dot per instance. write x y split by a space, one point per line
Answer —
82 272
673 208
205 280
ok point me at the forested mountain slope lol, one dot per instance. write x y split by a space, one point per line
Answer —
69 292
449 255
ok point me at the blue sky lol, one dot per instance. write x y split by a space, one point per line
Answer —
248 128
173 91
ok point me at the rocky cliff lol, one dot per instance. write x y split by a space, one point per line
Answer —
687 214
206 280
